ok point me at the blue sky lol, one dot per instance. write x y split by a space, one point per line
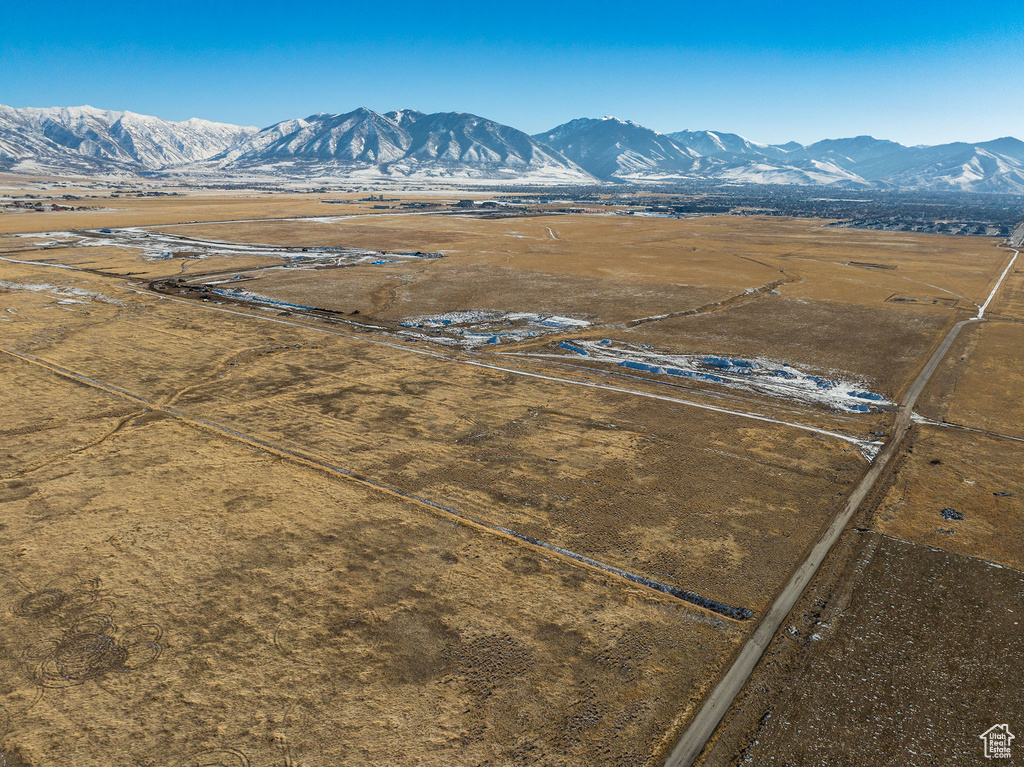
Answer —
912 72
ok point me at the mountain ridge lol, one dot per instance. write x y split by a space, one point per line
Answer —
90 139
399 144
460 146
610 148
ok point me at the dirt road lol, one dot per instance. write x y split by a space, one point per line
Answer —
696 736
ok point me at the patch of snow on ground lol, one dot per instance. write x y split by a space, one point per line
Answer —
760 375
154 246
475 328
65 295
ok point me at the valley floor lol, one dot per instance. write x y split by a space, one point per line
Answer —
308 497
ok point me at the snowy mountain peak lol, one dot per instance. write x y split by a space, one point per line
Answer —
405 117
86 139
614 148
612 118
721 144
458 146
402 143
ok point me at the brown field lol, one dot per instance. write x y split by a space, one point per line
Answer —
1010 302
925 654
433 288
880 344
979 386
963 471
112 261
33 432
307 541
700 251
269 609
827 315
925 658
210 206
594 471
718 252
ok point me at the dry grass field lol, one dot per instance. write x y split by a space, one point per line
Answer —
974 475
599 472
210 206
979 386
1010 305
881 345
925 657
969 460
923 652
665 251
255 606
866 318
305 539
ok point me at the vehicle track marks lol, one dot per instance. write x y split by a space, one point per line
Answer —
118 427
448 358
566 556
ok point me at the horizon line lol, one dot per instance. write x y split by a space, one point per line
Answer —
532 135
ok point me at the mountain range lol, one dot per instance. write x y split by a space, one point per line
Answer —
364 145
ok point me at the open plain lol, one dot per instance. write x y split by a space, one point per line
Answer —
382 488
914 652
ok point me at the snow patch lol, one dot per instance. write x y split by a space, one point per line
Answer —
760 375
65 295
474 328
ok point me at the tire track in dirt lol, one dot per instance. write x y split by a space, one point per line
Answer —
119 426
717 306
448 358
224 367
436 509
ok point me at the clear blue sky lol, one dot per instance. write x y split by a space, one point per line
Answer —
913 72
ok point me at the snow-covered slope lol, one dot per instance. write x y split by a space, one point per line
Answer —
456 137
742 160
718 144
611 148
871 158
965 167
617 150
405 144
86 139
990 166
360 137
863 161
803 172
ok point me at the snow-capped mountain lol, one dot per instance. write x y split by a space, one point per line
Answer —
361 137
402 144
86 139
456 137
615 150
454 146
611 148
710 143
972 167
802 172
619 150
988 166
